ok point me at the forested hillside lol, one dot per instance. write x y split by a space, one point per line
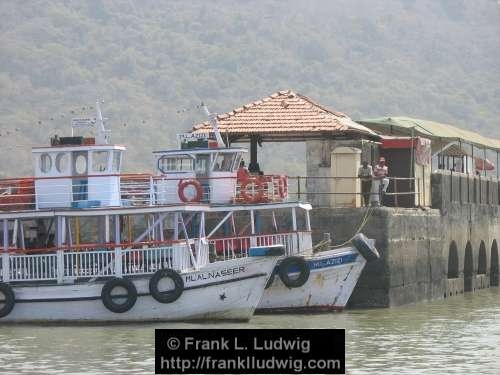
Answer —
150 60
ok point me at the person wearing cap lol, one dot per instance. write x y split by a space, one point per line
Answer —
380 181
365 174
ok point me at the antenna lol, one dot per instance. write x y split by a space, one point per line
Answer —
213 120
101 137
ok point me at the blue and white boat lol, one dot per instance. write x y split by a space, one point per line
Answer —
254 212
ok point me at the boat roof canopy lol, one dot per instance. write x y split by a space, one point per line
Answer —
62 148
125 210
202 151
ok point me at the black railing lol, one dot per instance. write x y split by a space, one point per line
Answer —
401 191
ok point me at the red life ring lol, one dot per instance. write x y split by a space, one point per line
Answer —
283 186
256 197
183 184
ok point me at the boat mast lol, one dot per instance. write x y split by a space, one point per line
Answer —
101 137
213 121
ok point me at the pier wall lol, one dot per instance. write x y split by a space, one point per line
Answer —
426 253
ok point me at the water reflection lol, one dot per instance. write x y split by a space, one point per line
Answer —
455 336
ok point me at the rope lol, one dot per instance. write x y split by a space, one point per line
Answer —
319 246
368 213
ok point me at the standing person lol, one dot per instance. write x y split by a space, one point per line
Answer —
242 173
380 181
365 173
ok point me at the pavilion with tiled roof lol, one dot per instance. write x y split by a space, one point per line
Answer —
285 116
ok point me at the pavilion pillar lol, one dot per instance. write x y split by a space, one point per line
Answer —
254 165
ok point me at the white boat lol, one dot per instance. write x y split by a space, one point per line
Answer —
205 172
305 281
317 282
84 243
227 290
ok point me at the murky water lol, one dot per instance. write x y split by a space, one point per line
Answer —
460 335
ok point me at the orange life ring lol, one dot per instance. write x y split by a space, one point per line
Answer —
256 197
182 187
283 187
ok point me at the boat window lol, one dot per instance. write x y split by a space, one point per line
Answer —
99 161
62 162
80 164
224 162
45 163
116 161
237 162
202 164
175 164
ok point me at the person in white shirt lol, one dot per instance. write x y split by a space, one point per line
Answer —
380 181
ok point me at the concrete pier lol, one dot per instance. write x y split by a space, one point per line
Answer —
426 253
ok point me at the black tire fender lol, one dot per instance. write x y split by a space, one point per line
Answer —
168 296
284 269
363 245
9 301
107 298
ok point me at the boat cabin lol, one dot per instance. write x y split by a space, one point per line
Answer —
197 175
85 172
75 172
203 170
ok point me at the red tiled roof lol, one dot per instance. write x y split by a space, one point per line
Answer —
284 113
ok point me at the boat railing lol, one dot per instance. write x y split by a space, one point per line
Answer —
138 190
262 189
238 246
346 191
105 190
86 263
150 260
33 267
251 190
17 194
84 191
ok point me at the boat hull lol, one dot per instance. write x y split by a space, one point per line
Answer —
228 290
332 279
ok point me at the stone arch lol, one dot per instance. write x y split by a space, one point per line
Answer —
468 267
481 260
494 264
453 261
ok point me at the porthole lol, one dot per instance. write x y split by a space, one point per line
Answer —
45 163
62 162
81 164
